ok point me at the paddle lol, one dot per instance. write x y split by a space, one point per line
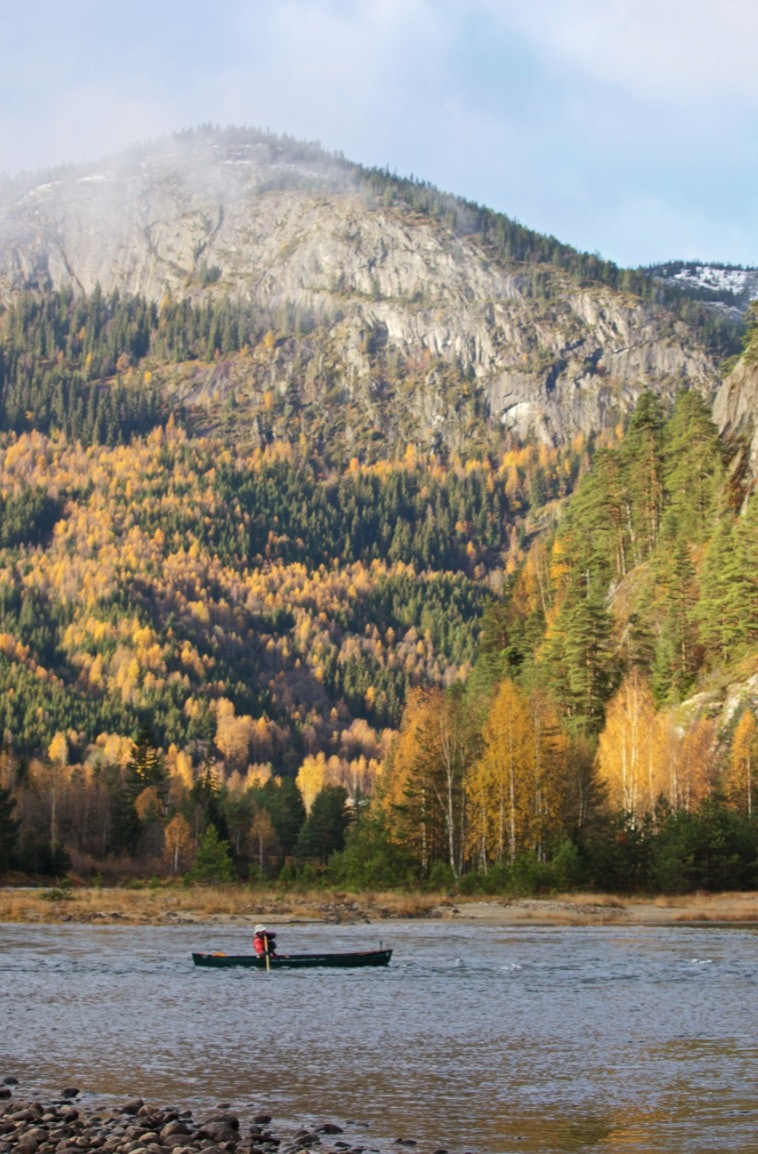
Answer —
268 963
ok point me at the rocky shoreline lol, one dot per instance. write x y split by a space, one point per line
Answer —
64 1125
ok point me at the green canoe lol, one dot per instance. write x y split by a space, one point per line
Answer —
294 961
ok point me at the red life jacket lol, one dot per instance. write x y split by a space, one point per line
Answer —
264 943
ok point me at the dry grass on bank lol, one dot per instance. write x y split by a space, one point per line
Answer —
167 905
609 909
704 907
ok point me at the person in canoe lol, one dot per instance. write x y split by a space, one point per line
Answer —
264 942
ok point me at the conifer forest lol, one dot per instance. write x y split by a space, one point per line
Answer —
509 670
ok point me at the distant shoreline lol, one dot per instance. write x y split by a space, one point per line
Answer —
732 908
178 905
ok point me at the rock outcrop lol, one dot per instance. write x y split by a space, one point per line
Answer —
735 411
371 291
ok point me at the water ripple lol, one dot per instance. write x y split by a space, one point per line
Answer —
485 1039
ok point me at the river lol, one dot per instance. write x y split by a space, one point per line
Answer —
475 1038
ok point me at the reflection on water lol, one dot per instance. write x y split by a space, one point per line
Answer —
483 1039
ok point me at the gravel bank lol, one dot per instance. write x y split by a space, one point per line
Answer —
65 1126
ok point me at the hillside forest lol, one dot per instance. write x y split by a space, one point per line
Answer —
525 668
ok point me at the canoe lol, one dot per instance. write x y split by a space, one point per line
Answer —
294 961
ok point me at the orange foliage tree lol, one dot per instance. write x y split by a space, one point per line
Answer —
626 758
497 785
178 843
424 795
739 780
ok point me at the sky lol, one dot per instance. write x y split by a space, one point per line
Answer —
624 127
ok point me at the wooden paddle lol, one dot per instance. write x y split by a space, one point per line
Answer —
268 963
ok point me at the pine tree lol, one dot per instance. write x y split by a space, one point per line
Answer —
694 470
577 662
676 656
728 608
642 457
146 769
720 625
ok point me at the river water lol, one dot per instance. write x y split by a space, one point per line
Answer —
475 1038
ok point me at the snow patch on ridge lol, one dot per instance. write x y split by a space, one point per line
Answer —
735 285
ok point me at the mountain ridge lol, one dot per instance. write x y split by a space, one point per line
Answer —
376 290
726 288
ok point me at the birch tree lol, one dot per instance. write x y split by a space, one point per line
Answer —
496 784
424 793
177 842
58 755
626 752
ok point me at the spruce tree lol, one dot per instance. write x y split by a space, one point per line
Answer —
213 861
146 766
324 830
9 827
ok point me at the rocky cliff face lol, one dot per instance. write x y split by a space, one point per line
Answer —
373 304
735 410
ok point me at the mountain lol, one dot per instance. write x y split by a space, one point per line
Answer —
268 530
382 311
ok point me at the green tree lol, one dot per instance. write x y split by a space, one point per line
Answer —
673 853
324 830
9 827
284 803
578 663
146 766
207 793
371 859
145 770
213 860
694 470
588 552
725 848
642 457
728 607
677 653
